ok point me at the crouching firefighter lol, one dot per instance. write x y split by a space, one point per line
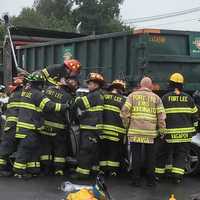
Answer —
56 133
30 121
91 118
181 123
113 133
9 143
53 74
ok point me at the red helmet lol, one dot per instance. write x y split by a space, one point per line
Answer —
18 81
12 88
72 65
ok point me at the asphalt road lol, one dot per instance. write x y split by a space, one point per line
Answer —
46 188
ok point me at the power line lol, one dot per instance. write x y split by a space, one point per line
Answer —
163 16
174 22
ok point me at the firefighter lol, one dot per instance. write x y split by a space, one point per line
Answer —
9 143
181 123
144 116
30 121
113 133
90 109
56 132
53 74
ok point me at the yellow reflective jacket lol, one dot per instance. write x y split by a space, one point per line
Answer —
144 116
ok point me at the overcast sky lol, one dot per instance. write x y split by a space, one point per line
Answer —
137 8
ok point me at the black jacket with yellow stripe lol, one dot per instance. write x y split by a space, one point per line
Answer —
53 73
58 121
12 110
112 124
182 117
32 106
91 107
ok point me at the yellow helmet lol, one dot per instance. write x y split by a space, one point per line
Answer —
177 78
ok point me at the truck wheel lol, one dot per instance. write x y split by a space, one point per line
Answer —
193 160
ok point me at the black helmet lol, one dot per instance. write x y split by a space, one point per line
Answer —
35 77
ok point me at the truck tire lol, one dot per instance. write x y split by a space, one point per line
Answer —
193 160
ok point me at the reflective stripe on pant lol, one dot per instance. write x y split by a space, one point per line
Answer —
20 167
89 151
172 157
8 146
179 155
54 151
3 163
28 153
82 171
162 158
110 154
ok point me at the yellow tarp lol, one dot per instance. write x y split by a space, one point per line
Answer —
83 194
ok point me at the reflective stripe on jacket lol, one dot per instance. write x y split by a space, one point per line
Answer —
112 123
33 103
13 109
58 121
143 115
182 117
91 106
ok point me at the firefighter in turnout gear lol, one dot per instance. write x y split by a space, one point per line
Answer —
181 123
52 74
113 133
30 121
54 136
90 109
144 116
9 143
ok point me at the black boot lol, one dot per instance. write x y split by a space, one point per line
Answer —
24 176
177 179
113 174
151 181
5 173
136 182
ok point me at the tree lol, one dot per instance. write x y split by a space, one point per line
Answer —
87 13
30 17
57 8
2 32
98 16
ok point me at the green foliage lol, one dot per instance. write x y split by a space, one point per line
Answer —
1 32
29 17
56 8
96 16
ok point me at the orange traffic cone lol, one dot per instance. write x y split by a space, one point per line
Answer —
172 197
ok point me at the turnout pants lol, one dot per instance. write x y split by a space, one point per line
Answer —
137 158
110 155
8 146
27 155
53 152
172 158
88 158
